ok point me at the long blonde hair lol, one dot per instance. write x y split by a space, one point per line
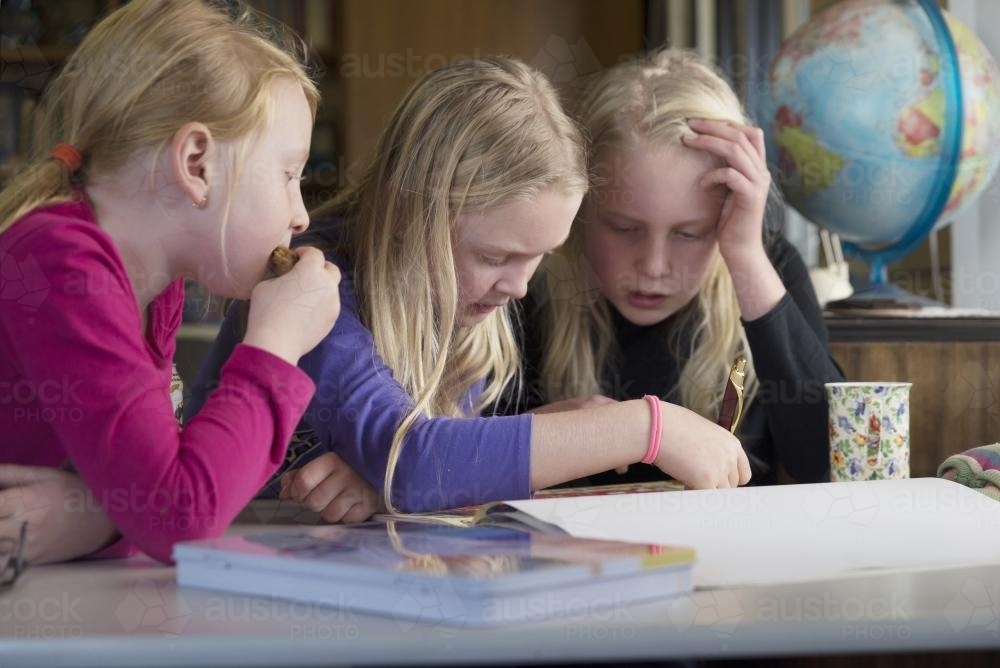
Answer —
470 136
643 102
143 72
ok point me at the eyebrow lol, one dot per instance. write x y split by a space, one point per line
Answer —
514 252
637 221
502 250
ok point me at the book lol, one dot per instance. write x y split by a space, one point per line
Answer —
502 511
478 576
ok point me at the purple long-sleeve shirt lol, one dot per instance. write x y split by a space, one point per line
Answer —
445 462
81 384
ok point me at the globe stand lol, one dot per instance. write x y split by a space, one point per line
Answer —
879 293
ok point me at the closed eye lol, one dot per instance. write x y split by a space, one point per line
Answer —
619 226
625 229
492 261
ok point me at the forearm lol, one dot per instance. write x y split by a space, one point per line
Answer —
792 362
757 284
85 534
569 445
190 484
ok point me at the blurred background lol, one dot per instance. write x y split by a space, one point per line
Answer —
369 52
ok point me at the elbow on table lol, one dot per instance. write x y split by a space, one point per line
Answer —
413 492
409 496
166 531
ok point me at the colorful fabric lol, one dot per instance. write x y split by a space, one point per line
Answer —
978 468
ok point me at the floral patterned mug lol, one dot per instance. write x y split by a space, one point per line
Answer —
869 430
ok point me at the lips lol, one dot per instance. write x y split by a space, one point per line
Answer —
486 307
646 300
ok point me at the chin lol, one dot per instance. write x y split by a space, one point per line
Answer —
471 319
646 317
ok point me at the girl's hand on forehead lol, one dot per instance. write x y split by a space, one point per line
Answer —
745 177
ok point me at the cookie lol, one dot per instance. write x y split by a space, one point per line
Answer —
281 261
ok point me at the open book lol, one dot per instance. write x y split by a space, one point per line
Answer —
502 511
765 535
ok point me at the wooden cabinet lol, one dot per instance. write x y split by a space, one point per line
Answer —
386 46
953 364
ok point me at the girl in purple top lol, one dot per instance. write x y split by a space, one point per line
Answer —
184 163
478 175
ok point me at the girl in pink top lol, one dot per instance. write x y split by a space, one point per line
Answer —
171 146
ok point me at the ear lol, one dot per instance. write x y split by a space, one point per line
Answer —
191 149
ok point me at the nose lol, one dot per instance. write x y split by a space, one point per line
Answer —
300 217
654 259
515 283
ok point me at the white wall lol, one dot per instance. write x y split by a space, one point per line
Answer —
975 248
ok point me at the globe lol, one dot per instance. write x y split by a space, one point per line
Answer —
884 119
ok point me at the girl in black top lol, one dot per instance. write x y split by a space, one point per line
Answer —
670 273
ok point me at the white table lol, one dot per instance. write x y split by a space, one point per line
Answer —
128 613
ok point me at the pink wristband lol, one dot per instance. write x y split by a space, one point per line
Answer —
655 430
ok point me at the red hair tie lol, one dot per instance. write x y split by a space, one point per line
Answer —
68 156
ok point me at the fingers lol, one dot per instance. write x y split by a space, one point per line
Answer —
286 485
367 503
10 528
310 255
750 138
359 513
355 499
756 136
15 475
297 484
27 500
735 154
744 465
739 472
331 498
729 177
11 505
734 476
333 270
313 257
331 488
740 146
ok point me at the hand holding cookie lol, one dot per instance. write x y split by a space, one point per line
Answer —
296 305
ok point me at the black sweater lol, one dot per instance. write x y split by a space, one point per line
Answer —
785 425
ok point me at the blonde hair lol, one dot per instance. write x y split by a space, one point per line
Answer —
643 102
143 72
473 135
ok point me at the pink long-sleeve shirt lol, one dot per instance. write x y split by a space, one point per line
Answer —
80 383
